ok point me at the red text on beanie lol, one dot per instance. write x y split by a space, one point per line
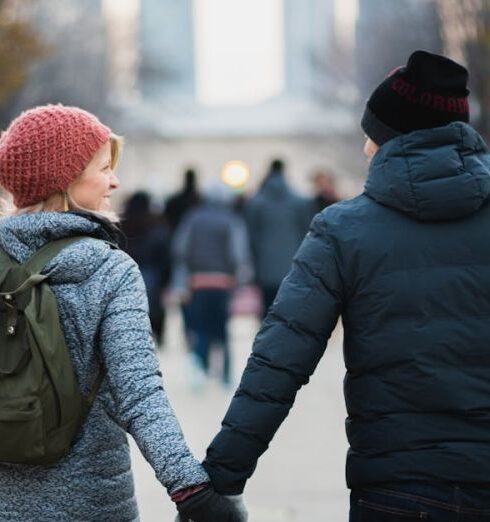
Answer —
430 91
45 149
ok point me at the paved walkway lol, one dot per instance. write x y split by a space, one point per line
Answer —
301 477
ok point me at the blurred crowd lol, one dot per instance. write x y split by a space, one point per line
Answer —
214 251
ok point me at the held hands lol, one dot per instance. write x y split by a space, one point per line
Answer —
207 506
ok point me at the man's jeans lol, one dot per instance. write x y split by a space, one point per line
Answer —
432 501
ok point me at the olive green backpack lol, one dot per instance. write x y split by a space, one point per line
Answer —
41 406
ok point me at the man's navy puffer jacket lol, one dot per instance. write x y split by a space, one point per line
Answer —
407 266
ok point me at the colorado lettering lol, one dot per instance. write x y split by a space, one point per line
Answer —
427 99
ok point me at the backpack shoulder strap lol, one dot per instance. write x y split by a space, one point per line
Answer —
50 250
37 262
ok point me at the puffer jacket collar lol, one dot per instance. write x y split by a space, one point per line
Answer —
432 174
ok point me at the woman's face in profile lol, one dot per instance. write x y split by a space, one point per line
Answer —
93 188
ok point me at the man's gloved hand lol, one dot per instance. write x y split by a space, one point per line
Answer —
207 506
238 502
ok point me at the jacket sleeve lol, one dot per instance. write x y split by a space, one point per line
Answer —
285 354
134 379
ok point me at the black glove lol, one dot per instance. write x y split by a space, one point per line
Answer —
207 506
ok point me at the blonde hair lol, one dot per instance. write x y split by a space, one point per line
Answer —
63 201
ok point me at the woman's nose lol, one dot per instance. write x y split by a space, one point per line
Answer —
114 181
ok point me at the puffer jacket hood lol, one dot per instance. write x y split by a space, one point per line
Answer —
432 174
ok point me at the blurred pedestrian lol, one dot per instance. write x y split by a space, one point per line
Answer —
149 245
211 253
324 190
277 220
178 204
58 164
407 266
176 207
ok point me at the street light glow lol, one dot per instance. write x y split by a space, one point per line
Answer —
235 174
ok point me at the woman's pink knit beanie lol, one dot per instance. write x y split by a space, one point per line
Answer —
45 149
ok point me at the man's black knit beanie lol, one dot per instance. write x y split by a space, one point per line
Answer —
430 91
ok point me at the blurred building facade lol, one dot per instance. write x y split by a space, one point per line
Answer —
166 38
168 62
169 127
387 36
139 65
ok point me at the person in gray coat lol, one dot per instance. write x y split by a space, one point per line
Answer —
58 164
277 220
211 257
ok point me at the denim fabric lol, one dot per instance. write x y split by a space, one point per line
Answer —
209 316
185 309
436 502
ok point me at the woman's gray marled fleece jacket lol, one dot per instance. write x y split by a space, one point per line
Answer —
103 310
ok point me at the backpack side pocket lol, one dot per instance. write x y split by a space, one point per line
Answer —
21 430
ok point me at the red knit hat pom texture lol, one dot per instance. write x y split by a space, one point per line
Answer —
45 149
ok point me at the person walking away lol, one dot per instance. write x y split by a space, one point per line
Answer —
211 251
178 204
277 219
148 244
57 163
407 266
176 207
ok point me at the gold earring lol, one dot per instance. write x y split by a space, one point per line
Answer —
66 206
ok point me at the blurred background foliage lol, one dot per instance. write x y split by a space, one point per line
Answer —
20 47
51 51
